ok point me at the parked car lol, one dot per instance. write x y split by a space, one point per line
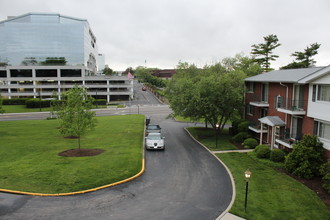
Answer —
144 89
154 141
152 128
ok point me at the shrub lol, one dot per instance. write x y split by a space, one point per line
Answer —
36 103
250 143
325 172
262 151
243 126
15 101
100 102
240 137
306 158
235 124
277 155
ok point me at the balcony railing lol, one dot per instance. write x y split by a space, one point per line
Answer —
255 126
290 106
258 100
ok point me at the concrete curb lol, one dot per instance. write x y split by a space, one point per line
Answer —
88 190
230 175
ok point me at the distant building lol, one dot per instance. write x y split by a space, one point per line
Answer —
45 52
100 63
164 74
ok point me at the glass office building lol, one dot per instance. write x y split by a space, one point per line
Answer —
46 38
45 53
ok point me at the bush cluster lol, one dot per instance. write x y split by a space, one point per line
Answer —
250 143
262 151
306 157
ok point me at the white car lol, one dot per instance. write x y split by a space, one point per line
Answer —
155 141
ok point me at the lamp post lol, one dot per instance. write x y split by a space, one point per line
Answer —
247 177
216 135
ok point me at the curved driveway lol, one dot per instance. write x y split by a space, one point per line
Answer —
183 182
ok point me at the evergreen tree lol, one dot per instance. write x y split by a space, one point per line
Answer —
303 59
263 52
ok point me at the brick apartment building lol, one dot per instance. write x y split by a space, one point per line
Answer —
283 105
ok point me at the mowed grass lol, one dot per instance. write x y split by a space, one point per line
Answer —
29 158
208 138
272 194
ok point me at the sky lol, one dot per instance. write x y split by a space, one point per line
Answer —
161 33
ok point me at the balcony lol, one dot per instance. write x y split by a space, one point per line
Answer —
258 101
255 126
287 139
290 106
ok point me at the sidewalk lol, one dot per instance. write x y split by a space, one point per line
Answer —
232 151
229 216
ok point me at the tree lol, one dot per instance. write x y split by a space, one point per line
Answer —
303 59
107 71
306 158
74 114
265 51
211 93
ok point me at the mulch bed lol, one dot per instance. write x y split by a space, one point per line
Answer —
81 152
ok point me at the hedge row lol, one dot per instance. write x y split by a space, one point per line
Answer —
17 101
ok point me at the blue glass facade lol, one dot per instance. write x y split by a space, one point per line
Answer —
32 38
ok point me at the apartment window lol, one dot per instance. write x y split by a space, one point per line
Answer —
323 93
322 129
250 87
264 92
314 93
278 101
250 110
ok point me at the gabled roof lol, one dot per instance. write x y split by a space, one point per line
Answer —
286 76
272 121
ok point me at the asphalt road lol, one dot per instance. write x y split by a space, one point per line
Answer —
183 182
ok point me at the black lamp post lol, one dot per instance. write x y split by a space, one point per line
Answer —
247 177
216 135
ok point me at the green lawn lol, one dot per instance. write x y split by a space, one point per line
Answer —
208 138
29 158
272 195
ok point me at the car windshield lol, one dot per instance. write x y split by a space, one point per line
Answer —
153 127
154 137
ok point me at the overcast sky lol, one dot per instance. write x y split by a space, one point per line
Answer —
164 32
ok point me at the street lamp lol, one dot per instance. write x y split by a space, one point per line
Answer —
247 177
216 135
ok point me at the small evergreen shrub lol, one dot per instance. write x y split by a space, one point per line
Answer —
240 137
325 172
262 151
250 143
243 126
277 155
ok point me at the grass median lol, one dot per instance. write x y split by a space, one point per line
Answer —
271 194
208 138
29 158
